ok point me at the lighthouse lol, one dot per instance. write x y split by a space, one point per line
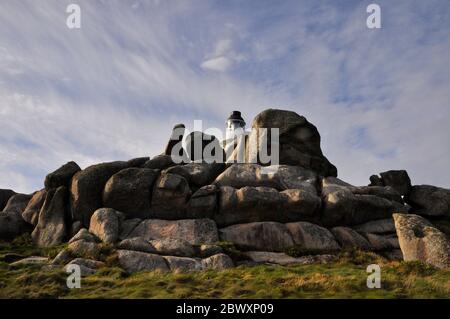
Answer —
235 126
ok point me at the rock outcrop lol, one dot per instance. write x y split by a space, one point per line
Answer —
165 215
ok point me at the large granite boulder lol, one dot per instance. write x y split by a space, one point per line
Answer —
397 179
194 231
203 203
62 176
253 204
380 226
12 225
87 189
5 195
105 224
31 212
17 203
160 162
197 174
299 141
344 205
129 191
183 264
420 240
429 200
134 261
170 196
138 162
280 177
311 238
264 236
52 228
348 238
173 247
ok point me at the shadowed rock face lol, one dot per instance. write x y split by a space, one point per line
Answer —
52 228
62 176
130 190
346 205
87 188
420 240
429 200
5 195
299 141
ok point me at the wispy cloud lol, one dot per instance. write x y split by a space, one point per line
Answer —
114 89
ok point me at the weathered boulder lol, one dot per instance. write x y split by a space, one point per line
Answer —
254 204
137 244
159 162
280 177
381 226
138 162
105 224
429 200
267 257
217 262
194 231
419 240
127 226
170 196
31 212
85 249
399 180
203 203
5 195
87 189
33 260
198 174
348 238
311 238
62 258
17 203
262 236
299 141
181 264
209 250
12 225
129 191
84 234
386 192
87 263
383 242
201 147
52 228
173 247
134 261
342 206
375 180
62 176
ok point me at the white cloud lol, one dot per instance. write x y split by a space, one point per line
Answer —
220 63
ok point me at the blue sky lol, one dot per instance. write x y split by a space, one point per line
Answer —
113 89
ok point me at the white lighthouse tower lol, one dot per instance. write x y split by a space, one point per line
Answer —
235 126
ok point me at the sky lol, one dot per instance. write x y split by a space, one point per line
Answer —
113 89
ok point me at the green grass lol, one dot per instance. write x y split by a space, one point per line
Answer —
345 278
